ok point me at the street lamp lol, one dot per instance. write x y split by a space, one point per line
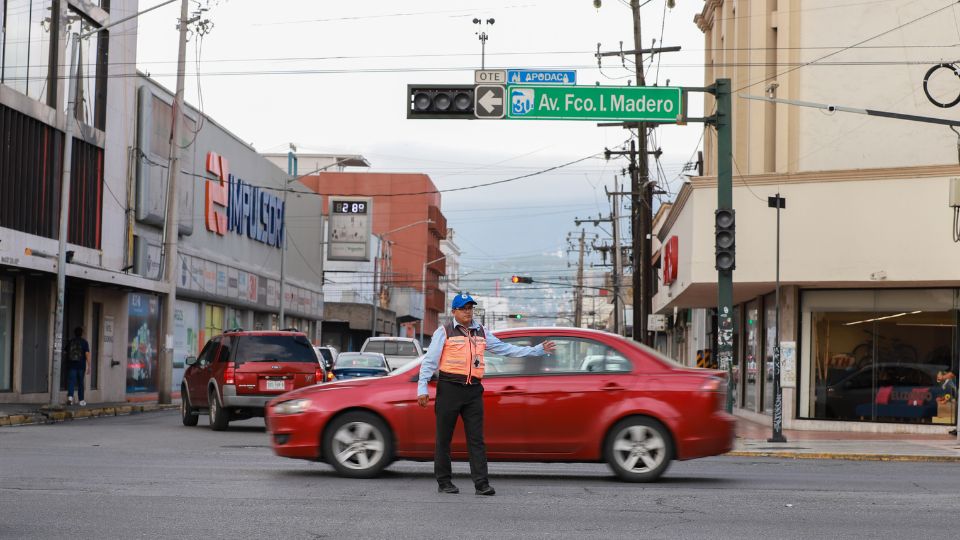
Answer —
376 266
423 287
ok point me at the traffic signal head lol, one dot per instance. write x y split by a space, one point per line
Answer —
449 101
726 239
517 316
521 279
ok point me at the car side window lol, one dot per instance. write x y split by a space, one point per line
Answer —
224 350
210 349
505 366
575 355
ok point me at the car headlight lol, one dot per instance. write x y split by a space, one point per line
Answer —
294 406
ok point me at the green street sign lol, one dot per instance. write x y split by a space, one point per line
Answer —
617 103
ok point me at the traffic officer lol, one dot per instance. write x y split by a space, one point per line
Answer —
457 349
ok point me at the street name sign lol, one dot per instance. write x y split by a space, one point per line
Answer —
488 101
542 76
660 104
490 76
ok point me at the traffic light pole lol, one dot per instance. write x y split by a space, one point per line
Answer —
721 91
641 206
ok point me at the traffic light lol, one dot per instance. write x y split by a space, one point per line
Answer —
444 101
726 239
521 279
517 316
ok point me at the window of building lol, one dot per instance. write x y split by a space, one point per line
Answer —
881 356
6 334
25 46
92 74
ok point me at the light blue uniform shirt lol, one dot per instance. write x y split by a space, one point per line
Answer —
431 360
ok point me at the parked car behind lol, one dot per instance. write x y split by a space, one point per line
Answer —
238 372
597 397
353 365
328 354
399 351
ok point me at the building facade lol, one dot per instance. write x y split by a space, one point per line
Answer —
869 303
406 211
35 49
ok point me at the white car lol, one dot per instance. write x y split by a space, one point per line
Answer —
398 350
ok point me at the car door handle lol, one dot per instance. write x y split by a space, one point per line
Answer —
510 390
612 386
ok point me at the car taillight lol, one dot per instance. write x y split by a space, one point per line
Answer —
330 376
717 385
318 375
229 375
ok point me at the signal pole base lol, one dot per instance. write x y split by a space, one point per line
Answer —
778 438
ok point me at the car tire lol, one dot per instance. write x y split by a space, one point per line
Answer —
188 415
219 417
638 449
358 445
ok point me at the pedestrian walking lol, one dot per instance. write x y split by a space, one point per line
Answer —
78 365
457 350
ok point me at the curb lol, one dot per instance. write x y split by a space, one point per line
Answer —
53 416
845 456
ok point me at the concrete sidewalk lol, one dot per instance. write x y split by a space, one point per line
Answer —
752 442
18 414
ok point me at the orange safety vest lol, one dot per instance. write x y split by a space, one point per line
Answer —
462 357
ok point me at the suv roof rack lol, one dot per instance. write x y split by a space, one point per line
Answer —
290 329
237 329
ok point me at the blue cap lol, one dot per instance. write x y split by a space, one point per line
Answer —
461 300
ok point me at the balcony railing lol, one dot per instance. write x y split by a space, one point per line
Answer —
439 225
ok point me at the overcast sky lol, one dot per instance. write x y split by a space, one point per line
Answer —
332 76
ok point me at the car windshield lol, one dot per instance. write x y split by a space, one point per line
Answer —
359 361
392 348
274 349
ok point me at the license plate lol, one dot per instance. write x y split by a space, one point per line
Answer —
275 385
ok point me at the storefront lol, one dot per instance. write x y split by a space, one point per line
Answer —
879 355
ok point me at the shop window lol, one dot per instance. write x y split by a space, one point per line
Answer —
213 320
752 356
769 342
887 364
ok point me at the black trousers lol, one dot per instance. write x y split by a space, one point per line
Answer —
458 400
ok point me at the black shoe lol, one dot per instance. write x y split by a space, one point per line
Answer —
486 490
448 488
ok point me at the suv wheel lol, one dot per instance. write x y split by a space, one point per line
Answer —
218 416
358 445
187 413
638 449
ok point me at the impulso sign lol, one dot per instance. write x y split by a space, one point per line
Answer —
615 103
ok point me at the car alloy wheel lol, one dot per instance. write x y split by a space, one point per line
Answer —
358 445
218 416
639 449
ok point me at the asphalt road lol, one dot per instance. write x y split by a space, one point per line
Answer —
147 476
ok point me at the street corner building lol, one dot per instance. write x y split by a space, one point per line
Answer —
865 248
233 219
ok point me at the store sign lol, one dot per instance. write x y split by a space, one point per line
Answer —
670 258
235 205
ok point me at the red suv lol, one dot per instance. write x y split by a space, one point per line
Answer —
238 372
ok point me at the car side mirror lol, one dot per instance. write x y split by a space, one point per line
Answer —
190 360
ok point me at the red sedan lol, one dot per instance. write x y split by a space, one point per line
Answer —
598 397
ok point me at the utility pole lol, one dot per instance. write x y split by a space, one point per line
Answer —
578 308
617 256
292 163
171 221
641 201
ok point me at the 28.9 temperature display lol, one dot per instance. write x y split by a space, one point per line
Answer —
350 207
